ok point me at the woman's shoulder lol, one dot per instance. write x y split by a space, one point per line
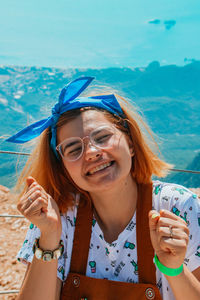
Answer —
173 197
172 189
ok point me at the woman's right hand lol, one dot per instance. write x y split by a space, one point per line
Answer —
41 210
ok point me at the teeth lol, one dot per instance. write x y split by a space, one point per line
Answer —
101 167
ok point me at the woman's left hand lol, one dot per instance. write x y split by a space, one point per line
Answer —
169 237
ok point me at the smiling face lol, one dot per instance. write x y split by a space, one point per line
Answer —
97 168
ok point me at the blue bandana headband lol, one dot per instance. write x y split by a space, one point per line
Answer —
68 100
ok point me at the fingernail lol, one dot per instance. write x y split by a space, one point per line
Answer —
154 216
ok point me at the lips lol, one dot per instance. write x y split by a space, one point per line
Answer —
99 168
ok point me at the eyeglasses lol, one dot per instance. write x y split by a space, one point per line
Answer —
72 148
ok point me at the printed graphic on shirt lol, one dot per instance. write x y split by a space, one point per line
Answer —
26 257
157 189
131 226
113 263
135 267
166 198
130 280
184 217
107 251
176 211
31 226
198 251
180 190
159 284
198 217
186 261
70 221
129 245
61 270
119 268
113 245
92 265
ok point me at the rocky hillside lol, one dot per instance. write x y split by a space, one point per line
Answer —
12 233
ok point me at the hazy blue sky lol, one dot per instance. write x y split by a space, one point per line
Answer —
98 33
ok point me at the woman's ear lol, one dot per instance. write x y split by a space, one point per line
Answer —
132 152
131 147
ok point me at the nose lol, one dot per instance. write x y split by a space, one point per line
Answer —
92 152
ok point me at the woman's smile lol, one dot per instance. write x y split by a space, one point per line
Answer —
98 167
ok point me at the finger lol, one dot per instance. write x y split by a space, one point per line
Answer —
30 180
173 245
174 233
153 219
36 208
34 185
36 194
167 222
35 191
170 215
33 188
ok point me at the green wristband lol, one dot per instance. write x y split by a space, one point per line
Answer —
165 270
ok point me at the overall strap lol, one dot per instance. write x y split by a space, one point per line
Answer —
82 235
146 267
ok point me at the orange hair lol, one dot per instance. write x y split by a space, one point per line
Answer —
51 174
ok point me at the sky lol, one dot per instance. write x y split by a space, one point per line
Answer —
99 33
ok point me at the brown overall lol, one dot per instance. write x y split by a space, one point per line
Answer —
80 287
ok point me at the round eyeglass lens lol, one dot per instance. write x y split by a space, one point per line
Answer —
72 148
102 137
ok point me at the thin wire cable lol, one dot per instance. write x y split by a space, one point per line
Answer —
9 292
11 216
186 171
13 152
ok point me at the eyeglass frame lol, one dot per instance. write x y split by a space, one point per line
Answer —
88 137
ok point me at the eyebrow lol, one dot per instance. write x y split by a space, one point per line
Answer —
71 144
96 131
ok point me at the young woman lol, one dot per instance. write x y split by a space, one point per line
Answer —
97 219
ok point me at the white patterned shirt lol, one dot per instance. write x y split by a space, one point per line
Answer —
118 260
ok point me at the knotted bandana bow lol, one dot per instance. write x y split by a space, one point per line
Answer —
68 100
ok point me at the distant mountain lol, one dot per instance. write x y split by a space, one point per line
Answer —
188 179
169 97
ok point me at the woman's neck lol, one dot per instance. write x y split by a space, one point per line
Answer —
114 208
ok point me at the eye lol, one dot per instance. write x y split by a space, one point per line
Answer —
102 138
71 148
75 151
